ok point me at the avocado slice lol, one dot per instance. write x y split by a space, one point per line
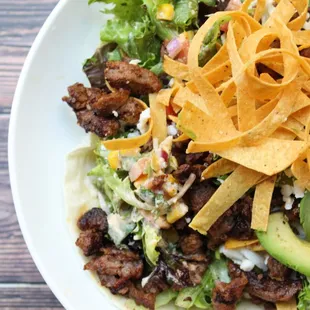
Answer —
282 244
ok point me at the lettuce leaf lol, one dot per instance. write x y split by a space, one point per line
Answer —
121 188
305 214
136 38
200 296
165 30
119 227
132 30
185 13
165 297
208 49
304 297
94 66
150 240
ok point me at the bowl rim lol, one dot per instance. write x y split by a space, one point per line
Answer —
13 174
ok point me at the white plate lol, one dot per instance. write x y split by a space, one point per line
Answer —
42 131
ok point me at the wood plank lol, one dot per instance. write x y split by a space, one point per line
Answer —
27 297
21 20
16 264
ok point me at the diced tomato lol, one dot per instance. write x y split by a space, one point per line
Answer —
170 111
224 27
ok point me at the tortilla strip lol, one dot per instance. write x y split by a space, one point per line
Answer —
301 172
159 118
237 244
287 305
176 69
218 168
233 188
261 204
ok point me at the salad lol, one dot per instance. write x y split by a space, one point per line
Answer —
193 191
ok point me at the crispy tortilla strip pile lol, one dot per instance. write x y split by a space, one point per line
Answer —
257 122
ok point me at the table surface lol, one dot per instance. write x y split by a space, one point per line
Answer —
21 285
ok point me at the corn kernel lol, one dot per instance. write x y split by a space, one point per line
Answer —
178 210
113 159
165 12
140 180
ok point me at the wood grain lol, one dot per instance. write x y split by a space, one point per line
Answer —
25 297
21 285
20 21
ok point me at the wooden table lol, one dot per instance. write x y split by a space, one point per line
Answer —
21 285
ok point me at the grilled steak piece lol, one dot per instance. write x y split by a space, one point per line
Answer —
95 218
94 225
235 222
138 80
226 295
265 288
130 112
102 127
191 244
102 103
198 195
90 242
277 271
115 267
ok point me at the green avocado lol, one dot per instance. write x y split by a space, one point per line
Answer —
282 244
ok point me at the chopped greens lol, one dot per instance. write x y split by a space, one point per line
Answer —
200 296
304 297
121 188
208 49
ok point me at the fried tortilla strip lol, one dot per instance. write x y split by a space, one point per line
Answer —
301 172
233 188
287 305
159 118
218 168
176 69
237 244
261 204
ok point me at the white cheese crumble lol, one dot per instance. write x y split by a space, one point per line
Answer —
134 61
115 113
143 120
287 191
245 258
172 130
134 134
171 82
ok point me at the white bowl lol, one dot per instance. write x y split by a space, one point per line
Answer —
42 131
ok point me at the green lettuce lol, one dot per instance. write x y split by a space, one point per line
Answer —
150 241
305 214
165 297
208 49
119 227
132 30
200 296
166 30
185 13
209 2
304 297
121 188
